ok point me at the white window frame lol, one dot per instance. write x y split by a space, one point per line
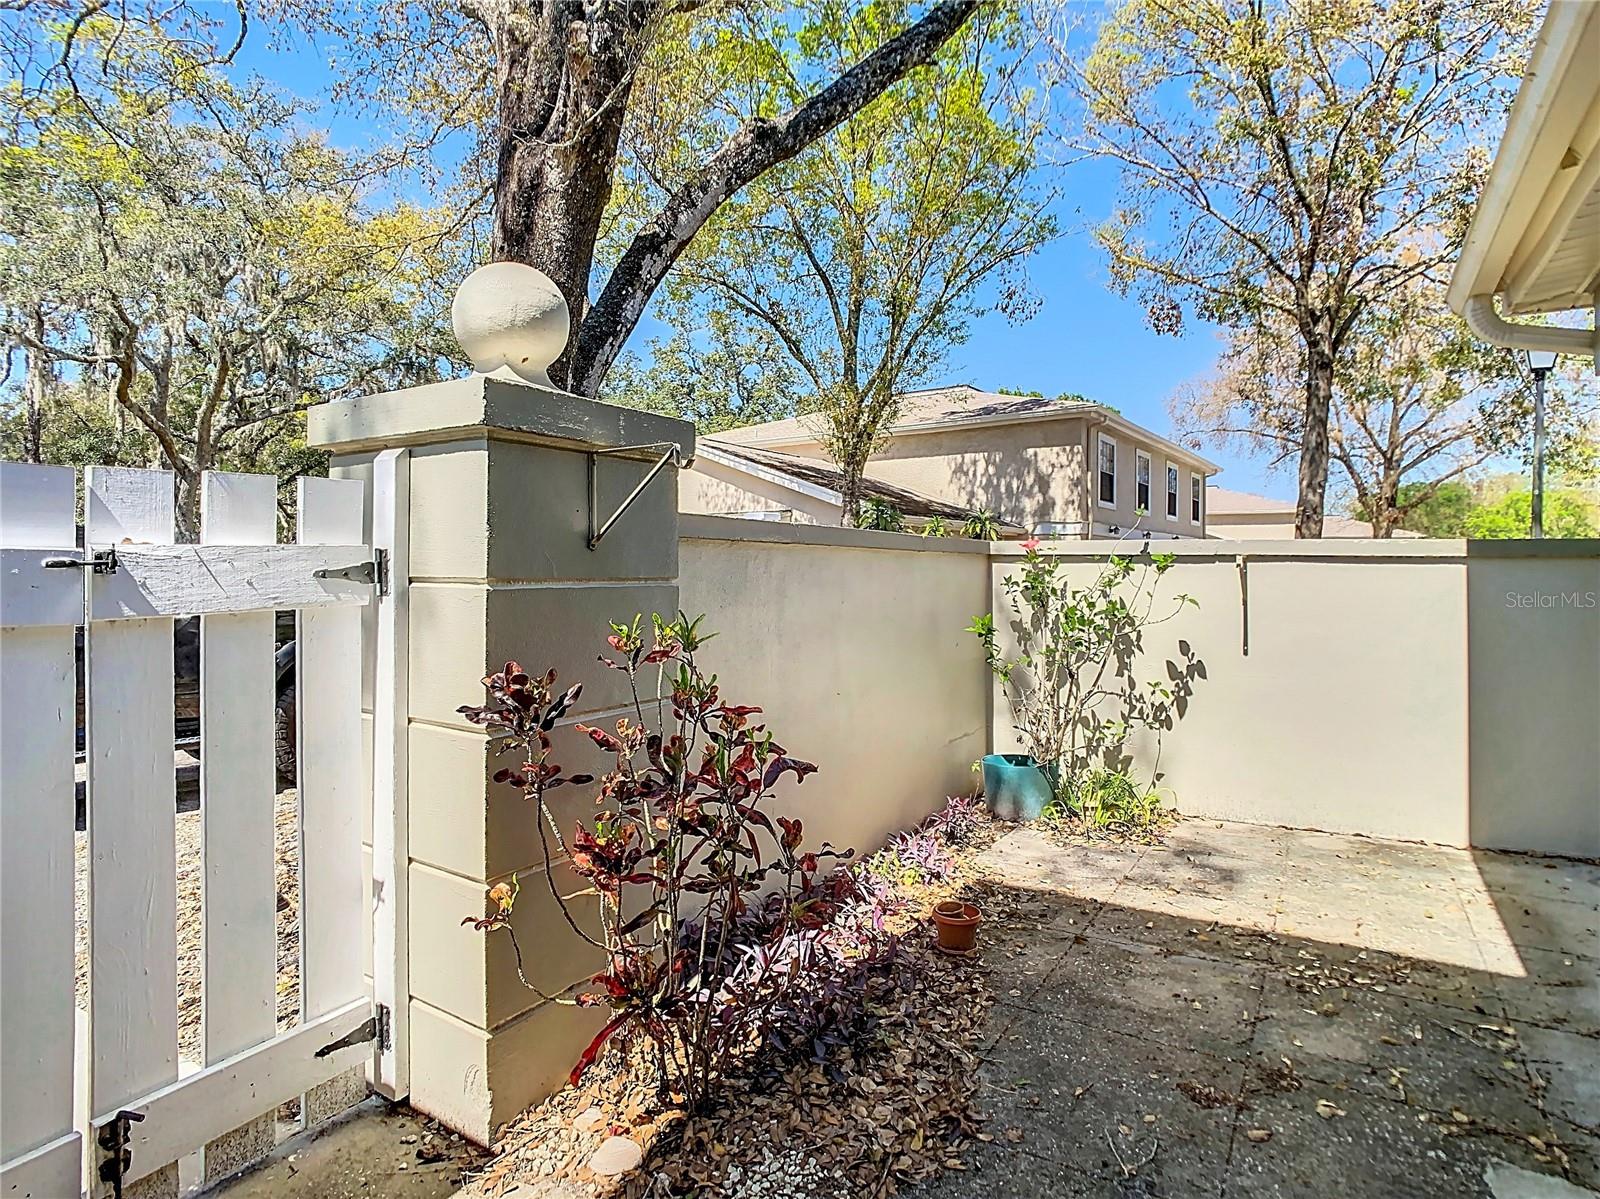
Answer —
1103 440
1174 496
1197 491
1142 467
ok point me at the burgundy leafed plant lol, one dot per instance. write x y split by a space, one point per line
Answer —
712 916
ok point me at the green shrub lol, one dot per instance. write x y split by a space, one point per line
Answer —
877 514
1106 798
983 525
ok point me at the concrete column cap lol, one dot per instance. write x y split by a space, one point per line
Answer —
483 406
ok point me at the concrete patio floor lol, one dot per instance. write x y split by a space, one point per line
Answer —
1251 1011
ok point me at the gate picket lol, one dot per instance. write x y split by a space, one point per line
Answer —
391 846
128 703
332 780
40 1152
239 952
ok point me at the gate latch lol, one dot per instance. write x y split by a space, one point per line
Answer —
101 562
116 1155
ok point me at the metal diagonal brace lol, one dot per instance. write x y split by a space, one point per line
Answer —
671 452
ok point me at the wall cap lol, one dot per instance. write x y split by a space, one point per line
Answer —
1442 549
459 409
701 527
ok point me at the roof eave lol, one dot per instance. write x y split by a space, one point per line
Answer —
1528 204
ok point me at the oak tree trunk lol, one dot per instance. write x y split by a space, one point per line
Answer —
564 73
563 78
850 494
1386 517
1314 436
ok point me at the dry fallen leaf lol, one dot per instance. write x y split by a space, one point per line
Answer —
1259 1135
1328 1109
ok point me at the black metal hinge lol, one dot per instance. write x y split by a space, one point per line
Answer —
116 1157
374 1028
374 573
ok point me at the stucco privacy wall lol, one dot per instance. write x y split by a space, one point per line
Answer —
852 643
1404 690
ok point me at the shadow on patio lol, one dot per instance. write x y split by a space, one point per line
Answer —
1251 1011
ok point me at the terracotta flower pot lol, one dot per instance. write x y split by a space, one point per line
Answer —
958 925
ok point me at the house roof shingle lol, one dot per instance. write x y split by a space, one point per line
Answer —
935 405
938 408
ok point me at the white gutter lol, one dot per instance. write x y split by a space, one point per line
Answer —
1484 319
1527 202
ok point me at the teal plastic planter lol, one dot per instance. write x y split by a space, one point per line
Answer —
1015 786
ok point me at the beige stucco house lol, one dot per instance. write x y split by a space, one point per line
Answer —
1241 516
1058 468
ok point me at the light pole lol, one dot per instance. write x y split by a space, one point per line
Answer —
1541 363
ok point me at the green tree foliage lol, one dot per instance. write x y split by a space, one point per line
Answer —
736 376
183 271
866 257
1565 515
880 515
1291 163
558 102
1433 510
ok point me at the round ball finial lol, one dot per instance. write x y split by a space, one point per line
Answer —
511 320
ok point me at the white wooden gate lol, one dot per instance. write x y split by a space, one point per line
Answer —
125 586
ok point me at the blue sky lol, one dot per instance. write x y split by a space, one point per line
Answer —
1084 338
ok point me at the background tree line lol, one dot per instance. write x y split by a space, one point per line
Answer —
818 198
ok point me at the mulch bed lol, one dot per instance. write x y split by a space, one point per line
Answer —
874 1118
1073 830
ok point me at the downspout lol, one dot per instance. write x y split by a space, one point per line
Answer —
1091 467
1484 319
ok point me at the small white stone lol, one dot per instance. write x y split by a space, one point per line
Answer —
512 321
616 1155
589 1119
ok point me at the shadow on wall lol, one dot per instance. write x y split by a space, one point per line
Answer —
1015 488
1533 683
1129 703
1156 710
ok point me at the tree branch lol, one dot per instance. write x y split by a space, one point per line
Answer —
756 147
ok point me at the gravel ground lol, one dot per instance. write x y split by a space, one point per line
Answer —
189 922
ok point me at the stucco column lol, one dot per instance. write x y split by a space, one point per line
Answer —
500 569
